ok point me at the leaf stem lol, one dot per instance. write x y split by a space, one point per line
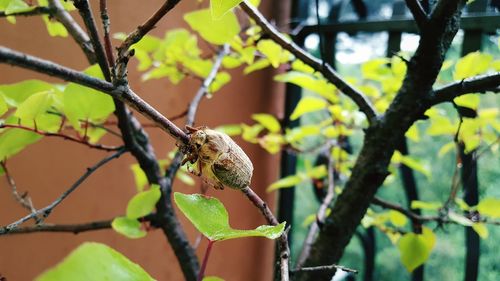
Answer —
201 274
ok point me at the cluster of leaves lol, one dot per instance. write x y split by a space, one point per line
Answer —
32 108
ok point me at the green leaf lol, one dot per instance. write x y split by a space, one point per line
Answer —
250 133
306 105
220 7
258 65
210 217
17 93
272 142
415 204
489 207
287 181
415 249
310 82
271 50
397 219
143 203
35 105
218 31
472 64
3 105
17 6
212 278
95 262
83 103
469 101
54 27
185 178
221 79
13 141
481 229
230 129
130 228
139 176
268 121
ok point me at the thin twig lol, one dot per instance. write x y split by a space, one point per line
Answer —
85 11
205 86
72 228
106 26
332 267
320 215
24 199
146 27
271 219
409 214
45 211
63 136
77 33
328 72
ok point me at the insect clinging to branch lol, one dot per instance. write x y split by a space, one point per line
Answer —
218 158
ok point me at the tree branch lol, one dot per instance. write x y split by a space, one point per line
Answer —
72 228
24 199
271 219
418 13
45 211
77 33
477 84
320 215
328 72
85 11
146 27
121 92
106 26
36 11
332 267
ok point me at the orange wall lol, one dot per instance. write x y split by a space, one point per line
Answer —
50 166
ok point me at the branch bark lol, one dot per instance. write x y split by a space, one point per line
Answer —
477 84
282 241
72 228
77 33
418 13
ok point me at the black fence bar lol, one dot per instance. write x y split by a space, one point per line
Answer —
487 22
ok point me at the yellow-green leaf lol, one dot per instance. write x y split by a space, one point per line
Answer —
415 249
481 229
271 50
268 121
143 203
397 219
489 207
306 105
472 64
210 217
220 7
216 31
128 227
94 261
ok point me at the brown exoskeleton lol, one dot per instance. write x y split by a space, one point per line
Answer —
219 159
